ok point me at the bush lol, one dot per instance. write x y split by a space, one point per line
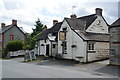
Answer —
30 44
14 46
4 52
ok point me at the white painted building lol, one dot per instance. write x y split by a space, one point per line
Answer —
84 39
47 40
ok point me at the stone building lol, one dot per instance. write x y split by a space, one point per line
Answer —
11 32
115 43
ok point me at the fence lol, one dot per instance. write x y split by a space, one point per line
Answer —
17 53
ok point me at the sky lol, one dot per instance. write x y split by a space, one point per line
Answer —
26 12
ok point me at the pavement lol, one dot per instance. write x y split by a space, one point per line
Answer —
100 68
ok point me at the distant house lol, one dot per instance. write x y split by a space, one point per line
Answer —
84 38
47 42
115 43
11 32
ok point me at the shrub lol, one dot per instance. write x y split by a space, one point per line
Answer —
4 52
14 46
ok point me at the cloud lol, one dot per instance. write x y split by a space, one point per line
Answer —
28 11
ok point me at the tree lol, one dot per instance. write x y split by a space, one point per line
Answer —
31 41
38 28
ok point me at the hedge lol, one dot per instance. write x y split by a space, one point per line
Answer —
14 46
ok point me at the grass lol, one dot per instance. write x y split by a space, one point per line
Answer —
10 57
4 58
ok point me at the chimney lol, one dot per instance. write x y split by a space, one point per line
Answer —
54 22
45 27
73 16
14 22
2 25
98 11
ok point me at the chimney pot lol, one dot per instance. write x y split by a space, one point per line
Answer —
98 11
73 16
14 22
55 21
2 25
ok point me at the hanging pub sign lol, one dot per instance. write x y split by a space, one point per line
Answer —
62 36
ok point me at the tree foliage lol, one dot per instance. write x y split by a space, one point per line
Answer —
31 41
38 28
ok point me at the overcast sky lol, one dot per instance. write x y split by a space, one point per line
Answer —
28 11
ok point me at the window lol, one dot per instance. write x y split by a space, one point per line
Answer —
62 36
11 37
53 34
64 29
91 46
45 41
64 47
54 45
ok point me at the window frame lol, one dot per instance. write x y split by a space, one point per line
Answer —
91 46
11 37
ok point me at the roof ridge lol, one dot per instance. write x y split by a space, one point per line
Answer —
86 16
116 23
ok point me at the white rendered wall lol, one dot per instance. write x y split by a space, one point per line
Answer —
42 49
98 26
72 39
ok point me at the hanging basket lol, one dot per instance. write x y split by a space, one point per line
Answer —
74 46
42 45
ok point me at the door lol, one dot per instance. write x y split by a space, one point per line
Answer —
47 50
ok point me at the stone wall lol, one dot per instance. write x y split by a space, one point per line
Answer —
115 45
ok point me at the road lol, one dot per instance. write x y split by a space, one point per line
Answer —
14 69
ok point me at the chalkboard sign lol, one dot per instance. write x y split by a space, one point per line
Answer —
29 55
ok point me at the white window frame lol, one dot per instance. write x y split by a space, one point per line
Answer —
91 46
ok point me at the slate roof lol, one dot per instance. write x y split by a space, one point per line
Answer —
6 28
79 25
116 23
88 19
56 27
76 24
95 37
44 34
